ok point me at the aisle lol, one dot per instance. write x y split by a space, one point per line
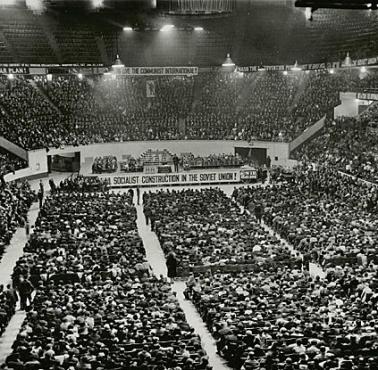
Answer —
156 259
13 252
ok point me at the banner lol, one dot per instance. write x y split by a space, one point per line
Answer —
160 71
182 178
367 96
15 70
150 89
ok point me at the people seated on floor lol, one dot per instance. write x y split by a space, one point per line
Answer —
16 198
324 214
280 318
204 227
97 304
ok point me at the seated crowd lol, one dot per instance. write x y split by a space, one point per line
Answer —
349 144
9 163
213 105
204 227
281 318
97 305
105 164
189 161
15 200
325 215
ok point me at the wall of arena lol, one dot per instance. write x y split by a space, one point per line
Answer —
38 162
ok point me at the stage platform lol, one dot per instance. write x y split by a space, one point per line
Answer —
192 177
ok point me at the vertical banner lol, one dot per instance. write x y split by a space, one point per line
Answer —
150 89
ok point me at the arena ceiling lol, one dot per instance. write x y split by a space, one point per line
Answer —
254 32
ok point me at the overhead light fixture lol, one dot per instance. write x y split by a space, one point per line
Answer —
98 3
10 76
167 27
363 69
199 29
127 29
296 67
331 71
80 76
308 14
49 77
118 63
348 60
228 62
285 73
261 68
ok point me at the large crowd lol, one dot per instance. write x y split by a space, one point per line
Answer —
15 200
212 105
97 304
282 318
325 215
9 163
348 144
205 227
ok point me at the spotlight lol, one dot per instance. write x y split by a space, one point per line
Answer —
98 3
228 62
10 76
36 6
128 29
285 73
363 69
348 60
308 14
118 63
296 67
167 27
331 71
199 29
80 76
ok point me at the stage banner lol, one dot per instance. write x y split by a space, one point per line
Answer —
160 71
367 96
182 178
150 89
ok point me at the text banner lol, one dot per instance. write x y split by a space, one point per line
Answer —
160 71
142 179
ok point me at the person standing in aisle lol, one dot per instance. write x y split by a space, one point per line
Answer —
138 194
25 289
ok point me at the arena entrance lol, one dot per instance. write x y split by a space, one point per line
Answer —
256 156
67 162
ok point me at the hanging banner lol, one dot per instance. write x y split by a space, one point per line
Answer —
150 89
183 178
367 96
160 71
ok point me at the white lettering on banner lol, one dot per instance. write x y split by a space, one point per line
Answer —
152 71
142 179
367 96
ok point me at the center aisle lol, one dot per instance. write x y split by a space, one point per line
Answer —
156 259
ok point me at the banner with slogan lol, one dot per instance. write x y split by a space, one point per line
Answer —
160 71
367 96
182 178
312 66
150 89
15 70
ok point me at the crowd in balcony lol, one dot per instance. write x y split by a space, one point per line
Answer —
266 105
9 163
204 227
97 304
349 144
